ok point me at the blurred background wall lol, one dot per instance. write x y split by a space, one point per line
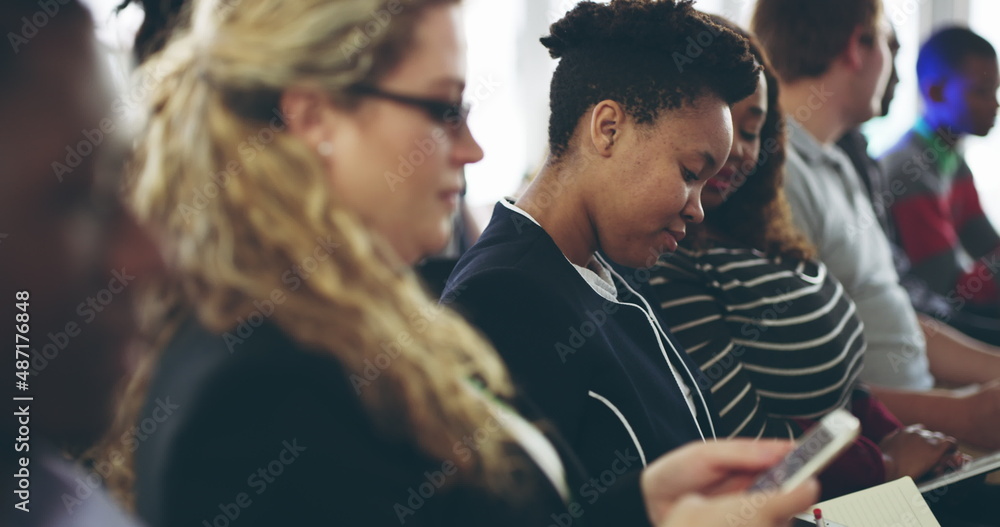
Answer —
509 74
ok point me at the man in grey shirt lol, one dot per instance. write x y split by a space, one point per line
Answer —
829 204
827 90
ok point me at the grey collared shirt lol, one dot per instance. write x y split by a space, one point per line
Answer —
830 206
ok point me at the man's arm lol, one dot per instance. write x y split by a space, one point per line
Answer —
970 417
956 358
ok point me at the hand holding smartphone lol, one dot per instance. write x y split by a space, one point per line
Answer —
816 449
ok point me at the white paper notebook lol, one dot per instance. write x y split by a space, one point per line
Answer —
894 504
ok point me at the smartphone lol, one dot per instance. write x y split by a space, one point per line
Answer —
814 451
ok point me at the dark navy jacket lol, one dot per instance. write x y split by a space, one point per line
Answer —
270 433
593 366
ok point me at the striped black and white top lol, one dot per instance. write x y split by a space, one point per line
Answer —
778 340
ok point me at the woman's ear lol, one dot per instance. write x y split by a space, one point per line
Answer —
304 109
605 124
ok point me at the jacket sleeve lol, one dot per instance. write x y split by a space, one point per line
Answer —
876 420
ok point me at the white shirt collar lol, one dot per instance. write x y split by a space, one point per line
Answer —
600 280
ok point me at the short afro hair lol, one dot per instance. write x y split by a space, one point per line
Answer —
647 55
946 50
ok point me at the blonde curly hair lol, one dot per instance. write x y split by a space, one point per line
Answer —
220 83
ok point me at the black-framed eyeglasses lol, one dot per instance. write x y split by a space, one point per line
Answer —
443 112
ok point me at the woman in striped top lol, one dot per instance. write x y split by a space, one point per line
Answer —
775 334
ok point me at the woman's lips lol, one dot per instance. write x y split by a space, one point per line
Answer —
720 185
723 180
673 239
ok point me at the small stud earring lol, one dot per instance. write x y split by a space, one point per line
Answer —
325 148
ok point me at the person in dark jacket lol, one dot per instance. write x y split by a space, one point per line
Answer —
556 280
